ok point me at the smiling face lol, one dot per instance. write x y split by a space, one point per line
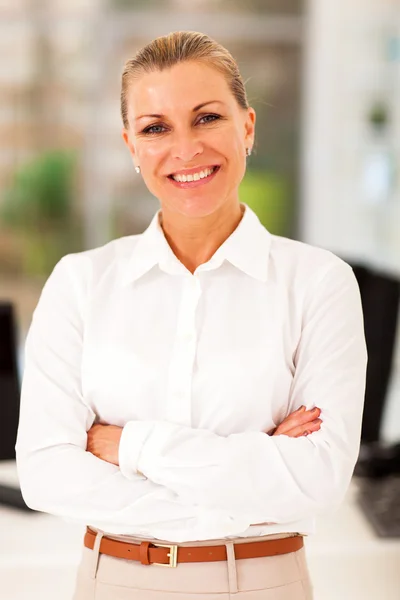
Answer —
189 136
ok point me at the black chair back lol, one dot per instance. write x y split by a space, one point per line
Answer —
380 296
9 382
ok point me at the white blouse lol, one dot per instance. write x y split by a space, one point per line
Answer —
195 368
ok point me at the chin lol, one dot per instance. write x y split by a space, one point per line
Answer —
195 207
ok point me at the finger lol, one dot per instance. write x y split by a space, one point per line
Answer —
299 418
287 422
305 429
91 435
96 426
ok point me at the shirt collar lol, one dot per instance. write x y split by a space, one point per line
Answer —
247 248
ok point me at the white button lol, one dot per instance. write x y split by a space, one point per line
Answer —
181 395
189 336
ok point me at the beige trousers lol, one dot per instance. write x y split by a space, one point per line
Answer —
284 577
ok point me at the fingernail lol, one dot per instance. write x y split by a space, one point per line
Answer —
315 409
306 432
301 409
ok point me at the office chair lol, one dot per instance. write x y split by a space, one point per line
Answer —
378 466
9 400
380 294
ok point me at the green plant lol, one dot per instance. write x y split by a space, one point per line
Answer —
38 206
268 195
40 191
379 116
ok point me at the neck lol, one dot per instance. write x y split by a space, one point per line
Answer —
195 241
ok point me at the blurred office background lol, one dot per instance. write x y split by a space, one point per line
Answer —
324 78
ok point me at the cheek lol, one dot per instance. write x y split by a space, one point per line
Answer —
151 155
233 144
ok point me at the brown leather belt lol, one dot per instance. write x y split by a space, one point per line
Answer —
170 555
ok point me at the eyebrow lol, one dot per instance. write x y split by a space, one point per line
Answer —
195 109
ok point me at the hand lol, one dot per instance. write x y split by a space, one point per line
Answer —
298 423
103 442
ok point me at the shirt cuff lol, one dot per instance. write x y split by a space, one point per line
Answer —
133 438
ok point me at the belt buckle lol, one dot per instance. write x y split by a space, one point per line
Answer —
173 555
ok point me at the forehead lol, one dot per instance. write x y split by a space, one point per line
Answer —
180 87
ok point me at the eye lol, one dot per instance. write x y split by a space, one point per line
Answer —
209 118
154 129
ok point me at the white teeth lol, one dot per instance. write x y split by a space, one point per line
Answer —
194 176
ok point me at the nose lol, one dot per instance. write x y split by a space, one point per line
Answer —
186 147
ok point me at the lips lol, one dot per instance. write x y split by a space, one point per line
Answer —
193 177
202 171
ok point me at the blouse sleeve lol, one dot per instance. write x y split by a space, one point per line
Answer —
276 479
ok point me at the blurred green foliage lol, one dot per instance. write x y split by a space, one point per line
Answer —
40 191
137 4
259 6
38 207
268 194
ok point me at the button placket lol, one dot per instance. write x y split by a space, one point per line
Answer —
183 355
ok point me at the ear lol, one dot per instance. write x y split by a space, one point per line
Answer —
128 142
249 127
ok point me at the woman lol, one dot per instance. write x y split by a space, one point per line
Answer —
175 380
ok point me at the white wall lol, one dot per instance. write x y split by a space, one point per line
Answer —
346 70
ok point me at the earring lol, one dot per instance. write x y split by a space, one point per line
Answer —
248 151
137 169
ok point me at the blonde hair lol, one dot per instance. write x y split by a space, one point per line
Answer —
166 51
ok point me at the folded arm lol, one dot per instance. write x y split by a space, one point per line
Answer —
56 473
275 479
